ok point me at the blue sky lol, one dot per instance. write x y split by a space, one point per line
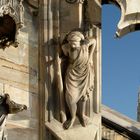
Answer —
121 65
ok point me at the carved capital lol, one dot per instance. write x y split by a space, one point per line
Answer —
75 1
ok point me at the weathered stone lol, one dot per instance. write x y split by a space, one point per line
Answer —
29 72
24 133
75 133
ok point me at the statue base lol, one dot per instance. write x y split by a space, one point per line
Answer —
77 132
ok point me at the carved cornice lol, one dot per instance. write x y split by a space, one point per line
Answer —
75 1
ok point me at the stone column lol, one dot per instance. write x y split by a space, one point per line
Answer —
43 38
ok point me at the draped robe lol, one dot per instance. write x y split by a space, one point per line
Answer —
79 79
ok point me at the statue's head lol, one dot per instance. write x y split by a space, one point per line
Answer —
74 38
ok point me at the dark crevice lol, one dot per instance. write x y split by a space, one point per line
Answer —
7 31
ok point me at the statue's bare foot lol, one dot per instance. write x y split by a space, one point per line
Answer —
84 121
69 123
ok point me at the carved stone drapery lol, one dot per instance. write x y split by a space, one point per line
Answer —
14 9
79 76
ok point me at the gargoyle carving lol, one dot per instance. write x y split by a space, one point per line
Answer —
7 106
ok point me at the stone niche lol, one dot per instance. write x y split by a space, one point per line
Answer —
65 17
59 18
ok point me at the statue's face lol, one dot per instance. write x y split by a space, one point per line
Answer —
74 44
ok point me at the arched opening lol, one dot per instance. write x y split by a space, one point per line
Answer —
7 31
121 65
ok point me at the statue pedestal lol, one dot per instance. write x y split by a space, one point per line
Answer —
75 133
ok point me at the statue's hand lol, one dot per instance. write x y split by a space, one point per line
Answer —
58 64
90 62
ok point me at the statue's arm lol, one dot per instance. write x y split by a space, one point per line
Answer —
91 44
59 61
65 50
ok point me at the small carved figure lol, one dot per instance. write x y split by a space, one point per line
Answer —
79 78
7 106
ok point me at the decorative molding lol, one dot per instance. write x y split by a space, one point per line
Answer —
15 9
75 1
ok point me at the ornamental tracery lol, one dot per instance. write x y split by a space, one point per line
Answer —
11 21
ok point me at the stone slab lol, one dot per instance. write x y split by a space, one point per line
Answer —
77 132
15 132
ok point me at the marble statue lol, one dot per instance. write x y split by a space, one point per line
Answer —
79 77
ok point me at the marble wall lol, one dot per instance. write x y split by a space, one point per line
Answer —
19 78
